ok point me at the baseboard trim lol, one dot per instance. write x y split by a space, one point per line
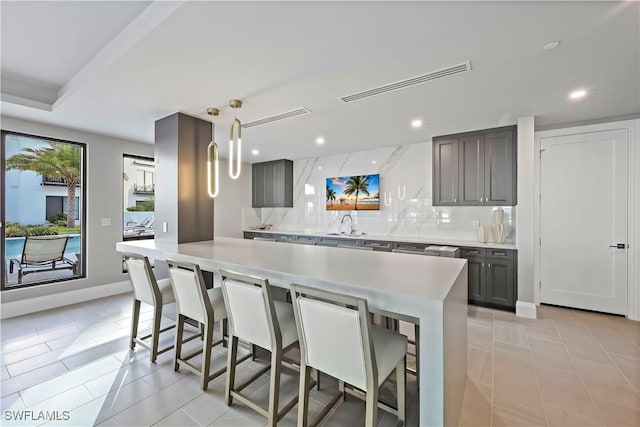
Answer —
526 309
33 305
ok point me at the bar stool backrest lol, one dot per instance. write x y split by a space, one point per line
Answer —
250 309
143 281
334 335
191 295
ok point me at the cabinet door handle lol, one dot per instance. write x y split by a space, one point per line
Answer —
483 265
481 199
500 254
455 200
489 265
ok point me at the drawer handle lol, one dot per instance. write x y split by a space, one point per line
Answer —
499 253
474 252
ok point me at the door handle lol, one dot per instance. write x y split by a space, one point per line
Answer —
619 246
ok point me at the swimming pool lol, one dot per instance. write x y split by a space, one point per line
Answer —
13 246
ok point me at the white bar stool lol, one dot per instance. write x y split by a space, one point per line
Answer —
150 291
327 321
256 318
194 301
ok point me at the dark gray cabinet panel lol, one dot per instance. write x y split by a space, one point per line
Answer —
500 164
272 184
485 172
500 282
477 287
445 172
471 174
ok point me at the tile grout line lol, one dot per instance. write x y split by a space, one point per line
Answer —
615 365
493 363
544 409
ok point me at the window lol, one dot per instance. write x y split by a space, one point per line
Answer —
43 239
57 207
138 197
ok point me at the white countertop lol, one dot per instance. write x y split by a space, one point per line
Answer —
390 273
408 239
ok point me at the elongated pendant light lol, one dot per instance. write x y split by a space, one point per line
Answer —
235 104
212 159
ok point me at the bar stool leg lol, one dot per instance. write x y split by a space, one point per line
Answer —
135 318
155 332
274 387
371 418
231 369
401 379
178 343
206 355
303 396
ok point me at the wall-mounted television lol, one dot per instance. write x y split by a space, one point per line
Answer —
353 193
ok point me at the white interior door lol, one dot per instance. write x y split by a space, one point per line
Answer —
583 213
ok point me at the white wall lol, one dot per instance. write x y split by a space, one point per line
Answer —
526 210
234 195
104 200
405 177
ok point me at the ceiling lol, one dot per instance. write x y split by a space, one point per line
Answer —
116 67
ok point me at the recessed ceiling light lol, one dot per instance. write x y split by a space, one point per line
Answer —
373 162
319 168
416 123
255 152
577 94
551 45
319 140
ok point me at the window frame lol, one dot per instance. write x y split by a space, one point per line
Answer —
146 159
82 212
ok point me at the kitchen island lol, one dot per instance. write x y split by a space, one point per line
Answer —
429 291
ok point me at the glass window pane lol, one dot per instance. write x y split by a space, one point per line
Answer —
139 198
43 234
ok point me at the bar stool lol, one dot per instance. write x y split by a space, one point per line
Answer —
150 291
194 301
327 321
256 318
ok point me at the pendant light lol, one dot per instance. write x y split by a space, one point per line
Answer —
212 156
235 104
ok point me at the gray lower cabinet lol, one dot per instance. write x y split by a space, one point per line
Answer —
492 277
272 184
475 168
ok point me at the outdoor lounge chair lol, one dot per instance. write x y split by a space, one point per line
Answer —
43 253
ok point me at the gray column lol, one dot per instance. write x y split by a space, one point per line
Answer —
183 209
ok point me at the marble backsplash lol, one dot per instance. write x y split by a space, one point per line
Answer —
405 199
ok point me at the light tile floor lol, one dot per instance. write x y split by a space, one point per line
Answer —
566 368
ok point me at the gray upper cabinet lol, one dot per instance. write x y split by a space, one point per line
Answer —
272 184
445 172
500 165
471 174
484 173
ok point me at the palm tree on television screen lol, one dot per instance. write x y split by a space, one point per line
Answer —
331 195
356 185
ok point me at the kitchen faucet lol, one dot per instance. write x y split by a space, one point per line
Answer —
353 230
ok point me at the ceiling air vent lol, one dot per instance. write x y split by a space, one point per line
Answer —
434 75
282 116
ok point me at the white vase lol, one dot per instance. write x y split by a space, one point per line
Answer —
483 234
